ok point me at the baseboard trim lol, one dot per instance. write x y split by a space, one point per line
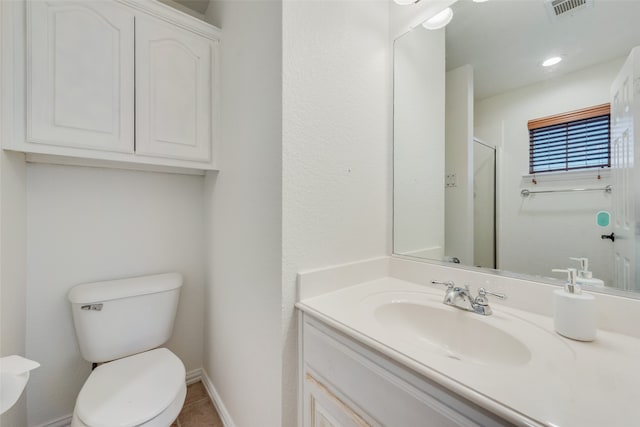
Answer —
192 377
217 401
58 422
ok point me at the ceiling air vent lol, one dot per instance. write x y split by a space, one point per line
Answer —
561 8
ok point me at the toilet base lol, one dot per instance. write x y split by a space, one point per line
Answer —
163 419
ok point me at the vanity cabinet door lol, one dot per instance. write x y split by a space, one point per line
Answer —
80 75
174 92
325 409
344 383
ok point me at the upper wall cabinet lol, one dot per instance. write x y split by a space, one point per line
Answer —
109 80
173 92
80 81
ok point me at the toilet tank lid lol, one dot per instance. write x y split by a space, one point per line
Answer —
124 288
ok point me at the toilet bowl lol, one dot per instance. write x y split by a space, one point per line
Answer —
147 389
121 324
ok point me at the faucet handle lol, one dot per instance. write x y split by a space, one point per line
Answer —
449 283
482 296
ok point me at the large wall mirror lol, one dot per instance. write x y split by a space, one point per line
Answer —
464 97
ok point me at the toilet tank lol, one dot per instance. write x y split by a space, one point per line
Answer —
118 318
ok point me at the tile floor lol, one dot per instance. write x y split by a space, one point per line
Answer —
198 411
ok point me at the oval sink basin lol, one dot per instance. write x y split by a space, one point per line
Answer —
459 334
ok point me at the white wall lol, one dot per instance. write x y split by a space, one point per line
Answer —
419 144
13 269
244 202
304 182
336 147
459 162
539 233
89 224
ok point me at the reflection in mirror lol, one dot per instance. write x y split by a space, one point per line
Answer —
464 97
419 116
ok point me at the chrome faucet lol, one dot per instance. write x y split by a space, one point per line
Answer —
460 297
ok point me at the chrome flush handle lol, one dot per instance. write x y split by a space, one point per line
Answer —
91 307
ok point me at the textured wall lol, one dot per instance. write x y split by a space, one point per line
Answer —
336 146
304 181
244 203
90 224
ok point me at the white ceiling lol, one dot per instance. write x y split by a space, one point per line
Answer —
506 40
197 5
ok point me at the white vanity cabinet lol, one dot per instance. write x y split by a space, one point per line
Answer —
124 81
345 383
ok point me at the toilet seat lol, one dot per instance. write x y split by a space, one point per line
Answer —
133 390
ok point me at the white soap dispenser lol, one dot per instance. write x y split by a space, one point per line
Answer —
574 312
585 277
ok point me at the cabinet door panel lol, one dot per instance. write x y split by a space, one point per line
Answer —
382 398
173 92
80 75
325 409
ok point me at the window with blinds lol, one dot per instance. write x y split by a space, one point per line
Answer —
575 140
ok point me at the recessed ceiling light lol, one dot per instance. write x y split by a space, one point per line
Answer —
440 20
551 61
479 1
405 2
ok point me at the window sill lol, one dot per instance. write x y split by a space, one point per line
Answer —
573 175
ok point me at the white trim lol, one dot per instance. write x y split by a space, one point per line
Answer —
184 9
58 422
194 376
301 392
217 401
108 164
177 17
591 173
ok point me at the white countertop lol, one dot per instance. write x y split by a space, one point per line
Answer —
565 383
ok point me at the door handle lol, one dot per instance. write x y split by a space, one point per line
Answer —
611 236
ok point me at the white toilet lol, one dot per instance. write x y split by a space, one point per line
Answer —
122 322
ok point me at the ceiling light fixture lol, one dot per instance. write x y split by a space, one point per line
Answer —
405 2
480 1
551 61
440 20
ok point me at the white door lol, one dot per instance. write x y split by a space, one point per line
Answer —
80 79
484 205
174 92
625 152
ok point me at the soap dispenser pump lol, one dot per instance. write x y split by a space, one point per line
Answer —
573 310
585 277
